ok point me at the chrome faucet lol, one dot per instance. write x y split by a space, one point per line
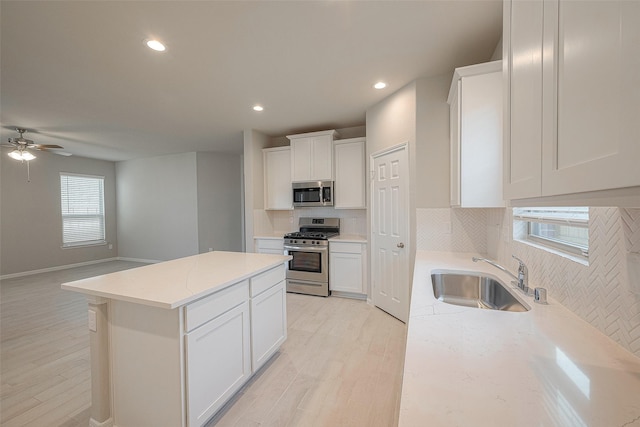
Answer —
521 280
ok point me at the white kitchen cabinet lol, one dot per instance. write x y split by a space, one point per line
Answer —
591 126
349 161
269 323
277 178
269 246
347 267
476 126
218 362
312 156
571 123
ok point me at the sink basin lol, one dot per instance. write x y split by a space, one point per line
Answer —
469 290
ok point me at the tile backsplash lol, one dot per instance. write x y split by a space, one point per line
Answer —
352 221
605 293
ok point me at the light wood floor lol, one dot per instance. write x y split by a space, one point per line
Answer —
340 366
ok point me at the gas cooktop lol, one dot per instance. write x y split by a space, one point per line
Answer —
310 235
316 229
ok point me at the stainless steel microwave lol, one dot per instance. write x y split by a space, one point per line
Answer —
312 193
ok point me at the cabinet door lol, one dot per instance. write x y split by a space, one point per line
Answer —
523 36
218 362
591 96
301 152
345 272
350 174
277 178
322 158
269 324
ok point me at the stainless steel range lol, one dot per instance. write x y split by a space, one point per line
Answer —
308 271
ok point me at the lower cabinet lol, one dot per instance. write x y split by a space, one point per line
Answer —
269 323
218 362
269 246
347 270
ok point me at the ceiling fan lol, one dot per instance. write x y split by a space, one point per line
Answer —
21 145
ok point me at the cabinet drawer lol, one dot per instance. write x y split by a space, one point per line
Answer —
347 248
264 281
271 244
205 309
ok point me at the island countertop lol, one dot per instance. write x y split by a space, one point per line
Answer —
178 282
545 367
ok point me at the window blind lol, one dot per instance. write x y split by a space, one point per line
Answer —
82 206
572 216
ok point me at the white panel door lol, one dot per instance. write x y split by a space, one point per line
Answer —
390 232
523 27
591 96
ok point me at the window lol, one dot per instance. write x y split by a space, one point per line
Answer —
561 228
82 198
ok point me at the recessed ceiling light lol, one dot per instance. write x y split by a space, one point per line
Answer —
258 108
156 45
380 85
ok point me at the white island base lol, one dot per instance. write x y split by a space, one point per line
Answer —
172 342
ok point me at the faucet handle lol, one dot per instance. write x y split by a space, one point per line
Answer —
518 259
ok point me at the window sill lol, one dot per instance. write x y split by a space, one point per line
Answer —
571 257
83 245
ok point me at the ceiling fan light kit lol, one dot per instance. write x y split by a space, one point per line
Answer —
21 155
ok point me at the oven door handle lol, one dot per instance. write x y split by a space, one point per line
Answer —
306 248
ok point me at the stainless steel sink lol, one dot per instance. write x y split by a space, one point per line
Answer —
471 290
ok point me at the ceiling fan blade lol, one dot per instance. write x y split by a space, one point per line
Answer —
45 146
8 145
61 153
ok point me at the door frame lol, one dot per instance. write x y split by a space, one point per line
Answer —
409 239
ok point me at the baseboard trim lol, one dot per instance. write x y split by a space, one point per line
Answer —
107 423
146 261
60 267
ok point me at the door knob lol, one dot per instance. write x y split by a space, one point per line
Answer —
400 245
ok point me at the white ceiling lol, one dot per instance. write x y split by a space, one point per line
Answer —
78 73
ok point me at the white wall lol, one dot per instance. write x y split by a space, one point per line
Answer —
157 207
219 178
254 142
30 218
432 146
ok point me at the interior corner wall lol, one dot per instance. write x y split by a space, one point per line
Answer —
157 207
254 142
219 178
432 145
30 217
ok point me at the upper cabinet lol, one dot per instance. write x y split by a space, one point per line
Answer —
277 178
349 160
572 118
312 156
475 101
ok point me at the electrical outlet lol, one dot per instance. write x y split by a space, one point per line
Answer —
93 321
210 249
110 246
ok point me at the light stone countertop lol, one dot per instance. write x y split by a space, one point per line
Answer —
546 367
177 282
348 238
274 236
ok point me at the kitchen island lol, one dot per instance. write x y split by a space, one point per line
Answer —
172 342
545 367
